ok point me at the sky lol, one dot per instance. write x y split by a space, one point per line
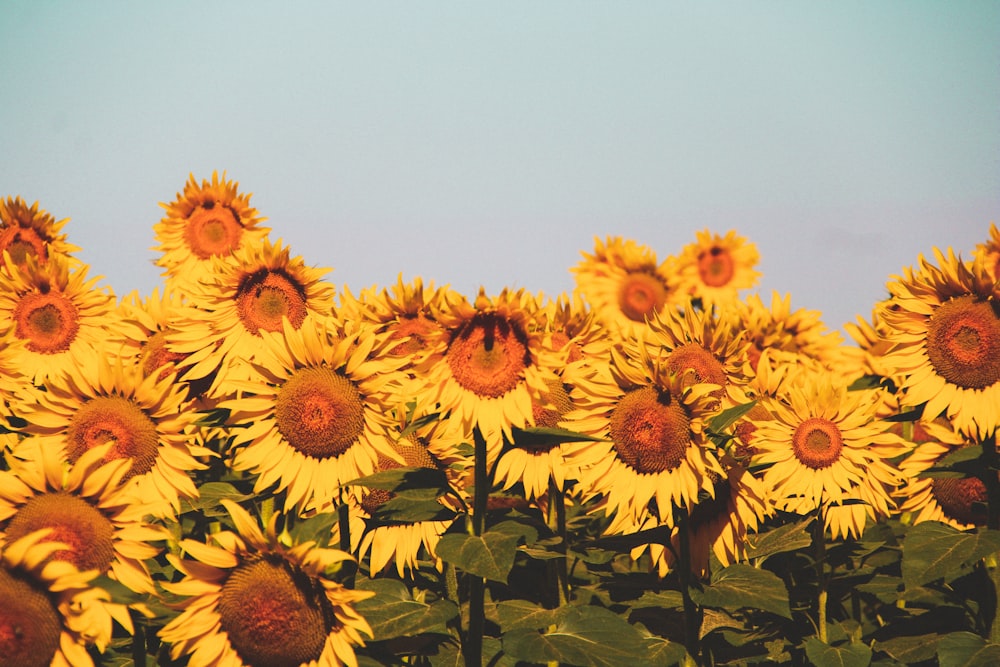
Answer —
487 145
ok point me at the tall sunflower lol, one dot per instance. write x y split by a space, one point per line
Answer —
26 231
251 291
254 600
492 363
208 220
316 411
653 454
625 284
48 615
715 268
825 447
797 337
944 326
101 401
56 315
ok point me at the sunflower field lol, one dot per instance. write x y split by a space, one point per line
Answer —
249 467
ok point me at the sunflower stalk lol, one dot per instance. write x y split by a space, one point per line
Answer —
473 644
557 523
691 620
992 482
819 546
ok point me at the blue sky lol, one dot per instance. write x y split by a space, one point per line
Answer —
489 143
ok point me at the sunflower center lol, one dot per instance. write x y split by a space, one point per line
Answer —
963 342
488 356
962 499
817 443
87 533
702 363
715 266
319 412
29 623
117 420
641 294
417 330
266 297
25 244
274 614
47 320
212 230
650 431
155 355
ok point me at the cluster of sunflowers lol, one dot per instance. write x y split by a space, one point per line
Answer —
218 472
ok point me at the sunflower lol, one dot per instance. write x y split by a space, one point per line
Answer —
491 363
796 337
100 401
956 500
653 454
249 292
205 222
29 232
989 253
825 447
625 284
253 600
58 315
715 268
944 326
316 412
48 612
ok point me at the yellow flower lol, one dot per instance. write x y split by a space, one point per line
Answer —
492 363
989 253
251 291
316 411
715 268
653 454
29 232
204 222
144 417
796 337
55 316
958 501
48 614
625 285
944 327
253 600
825 447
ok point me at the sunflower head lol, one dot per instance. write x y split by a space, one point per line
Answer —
715 268
989 253
26 231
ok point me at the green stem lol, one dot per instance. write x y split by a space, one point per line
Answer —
138 640
473 648
991 459
691 622
819 544
557 523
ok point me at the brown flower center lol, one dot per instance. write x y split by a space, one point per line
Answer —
22 243
704 366
549 414
266 297
962 500
274 614
213 229
319 412
29 623
650 431
417 330
117 420
155 355
817 443
488 355
87 533
963 342
641 294
715 266
48 320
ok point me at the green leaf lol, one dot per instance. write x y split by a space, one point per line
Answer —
211 495
661 600
729 416
315 528
909 650
524 615
662 652
416 483
741 586
394 613
962 462
785 538
842 655
934 550
965 649
583 636
865 382
409 510
535 437
490 556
